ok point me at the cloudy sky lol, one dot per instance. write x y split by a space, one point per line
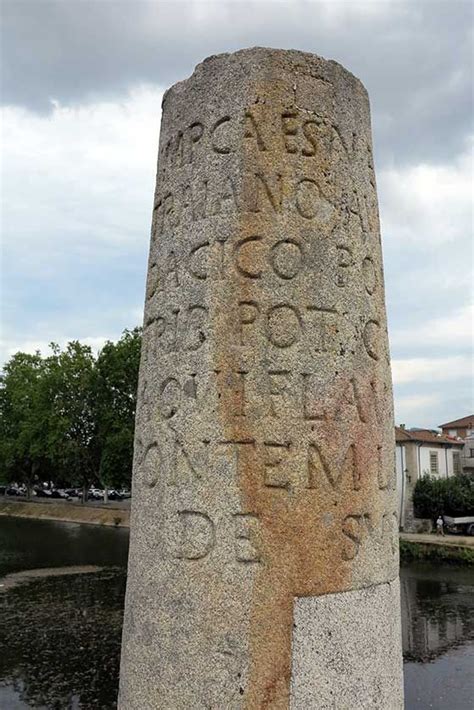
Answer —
81 89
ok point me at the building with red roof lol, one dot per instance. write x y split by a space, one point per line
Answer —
464 429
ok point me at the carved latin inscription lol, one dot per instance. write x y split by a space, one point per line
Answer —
264 451
198 534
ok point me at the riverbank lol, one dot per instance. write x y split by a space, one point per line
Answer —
450 549
67 512
444 540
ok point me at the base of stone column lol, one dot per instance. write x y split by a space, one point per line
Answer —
346 650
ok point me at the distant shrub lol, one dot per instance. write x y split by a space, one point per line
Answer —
446 496
415 552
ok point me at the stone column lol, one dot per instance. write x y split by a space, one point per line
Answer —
263 567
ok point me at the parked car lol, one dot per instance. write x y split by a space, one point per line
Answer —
125 493
42 492
114 495
2 490
58 493
15 491
465 525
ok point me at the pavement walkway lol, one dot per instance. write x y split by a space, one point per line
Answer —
445 540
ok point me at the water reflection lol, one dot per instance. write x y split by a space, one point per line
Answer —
437 610
60 641
30 544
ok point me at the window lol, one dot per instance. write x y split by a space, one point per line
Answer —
456 463
434 468
471 453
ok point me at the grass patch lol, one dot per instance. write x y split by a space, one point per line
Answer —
414 551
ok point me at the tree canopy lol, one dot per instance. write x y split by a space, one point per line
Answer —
116 380
69 416
23 420
452 496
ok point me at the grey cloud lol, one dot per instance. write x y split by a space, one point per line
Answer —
414 57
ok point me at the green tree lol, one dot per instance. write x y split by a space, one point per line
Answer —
73 437
452 496
116 390
23 420
70 416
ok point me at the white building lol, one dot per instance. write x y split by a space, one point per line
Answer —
421 452
463 429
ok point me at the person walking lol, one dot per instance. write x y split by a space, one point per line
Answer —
440 525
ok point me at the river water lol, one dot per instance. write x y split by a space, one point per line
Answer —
60 635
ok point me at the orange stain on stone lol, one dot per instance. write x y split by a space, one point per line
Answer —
301 534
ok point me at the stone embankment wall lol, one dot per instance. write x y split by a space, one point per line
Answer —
66 512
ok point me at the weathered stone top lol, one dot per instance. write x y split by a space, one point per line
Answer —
302 63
